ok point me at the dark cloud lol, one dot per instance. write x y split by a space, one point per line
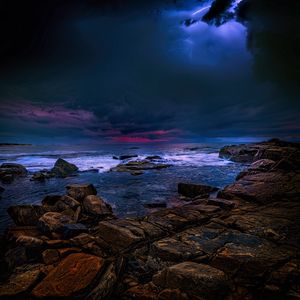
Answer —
136 74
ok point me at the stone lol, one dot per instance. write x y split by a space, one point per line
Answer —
71 230
96 206
13 169
66 202
19 284
25 215
143 292
225 204
62 168
140 165
50 256
194 190
194 279
53 221
29 241
125 156
2 189
7 178
72 277
80 191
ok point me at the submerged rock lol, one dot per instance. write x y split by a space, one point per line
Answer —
125 156
80 191
194 190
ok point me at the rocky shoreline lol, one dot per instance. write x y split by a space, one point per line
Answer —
241 242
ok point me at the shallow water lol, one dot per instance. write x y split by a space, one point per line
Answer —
126 193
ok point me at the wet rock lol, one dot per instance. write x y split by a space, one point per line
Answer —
139 166
12 170
7 178
264 187
143 292
71 230
50 200
95 206
136 173
24 215
29 241
194 190
125 156
19 284
63 168
80 191
72 277
53 221
194 279
66 202
156 205
153 157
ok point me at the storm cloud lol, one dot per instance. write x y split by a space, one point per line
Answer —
139 75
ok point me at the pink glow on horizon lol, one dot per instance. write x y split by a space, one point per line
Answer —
135 139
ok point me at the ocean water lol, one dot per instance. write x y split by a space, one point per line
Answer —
195 163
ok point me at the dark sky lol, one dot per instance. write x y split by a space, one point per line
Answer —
79 71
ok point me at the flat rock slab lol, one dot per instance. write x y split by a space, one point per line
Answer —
198 280
71 277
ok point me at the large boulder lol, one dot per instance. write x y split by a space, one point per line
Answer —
24 215
53 222
63 168
194 190
71 278
80 191
95 206
195 279
8 171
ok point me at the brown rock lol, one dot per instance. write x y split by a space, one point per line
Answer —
95 206
53 221
19 284
26 215
80 191
50 256
71 277
194 279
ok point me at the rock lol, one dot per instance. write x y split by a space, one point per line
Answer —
63 168
143 292
80 191
95 206
7 178
136 173
2 189
194 279
13 169
264 187
50 256
72 277
53 222
66 202
156 205
19 284
139 165
194 190
29 241
125 156
225 204
26 214
191 148
153 157
71 230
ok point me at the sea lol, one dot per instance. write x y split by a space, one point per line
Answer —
127 194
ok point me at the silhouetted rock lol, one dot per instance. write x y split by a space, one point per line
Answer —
80 191
125 156
63 168
153 157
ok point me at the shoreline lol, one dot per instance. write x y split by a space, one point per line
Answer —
244 239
